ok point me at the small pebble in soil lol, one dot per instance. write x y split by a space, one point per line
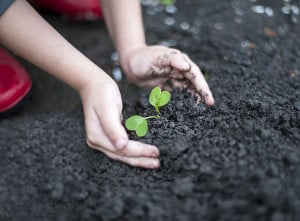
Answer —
117 74
168 43
286 10
184 26
114 56
170 21
269 11
260 9
295 9
171 9
239 11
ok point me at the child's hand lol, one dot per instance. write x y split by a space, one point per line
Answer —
150 66
102 109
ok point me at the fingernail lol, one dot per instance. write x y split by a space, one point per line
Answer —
155 165
186 66
120 144
210 102
155 154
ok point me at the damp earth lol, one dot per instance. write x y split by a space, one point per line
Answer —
238 160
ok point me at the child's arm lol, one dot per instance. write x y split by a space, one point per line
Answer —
150 65
23 31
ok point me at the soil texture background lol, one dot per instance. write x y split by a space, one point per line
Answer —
238 160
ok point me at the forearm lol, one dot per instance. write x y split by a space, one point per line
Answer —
125 24
27 34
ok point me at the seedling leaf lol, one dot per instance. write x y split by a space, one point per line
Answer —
165 97
167 2
159 98
138 124
154 96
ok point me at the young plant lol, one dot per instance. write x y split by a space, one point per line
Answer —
205 74
167 2
138 123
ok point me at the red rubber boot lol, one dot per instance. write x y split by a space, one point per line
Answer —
73 9
15 84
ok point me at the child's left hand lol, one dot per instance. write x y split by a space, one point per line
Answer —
150 66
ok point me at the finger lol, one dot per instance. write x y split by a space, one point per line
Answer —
197 79
175 59
96 136
132 149
166 61
144 162
97 139
158 71
109 113
139 149
176 74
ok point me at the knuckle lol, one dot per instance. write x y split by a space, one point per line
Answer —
123 153
111 86
92 140
174 51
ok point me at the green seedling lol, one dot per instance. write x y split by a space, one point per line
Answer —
205 74
167 2
138 123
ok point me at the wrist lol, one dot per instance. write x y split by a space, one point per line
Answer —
126 56
97 78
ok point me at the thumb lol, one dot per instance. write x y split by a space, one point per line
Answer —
110 120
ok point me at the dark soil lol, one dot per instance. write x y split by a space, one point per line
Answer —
239 160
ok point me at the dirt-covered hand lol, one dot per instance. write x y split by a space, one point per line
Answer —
150 66
102 106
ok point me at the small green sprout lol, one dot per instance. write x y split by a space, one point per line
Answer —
167 2
138 123
205 74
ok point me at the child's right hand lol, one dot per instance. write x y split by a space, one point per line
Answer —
102 106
